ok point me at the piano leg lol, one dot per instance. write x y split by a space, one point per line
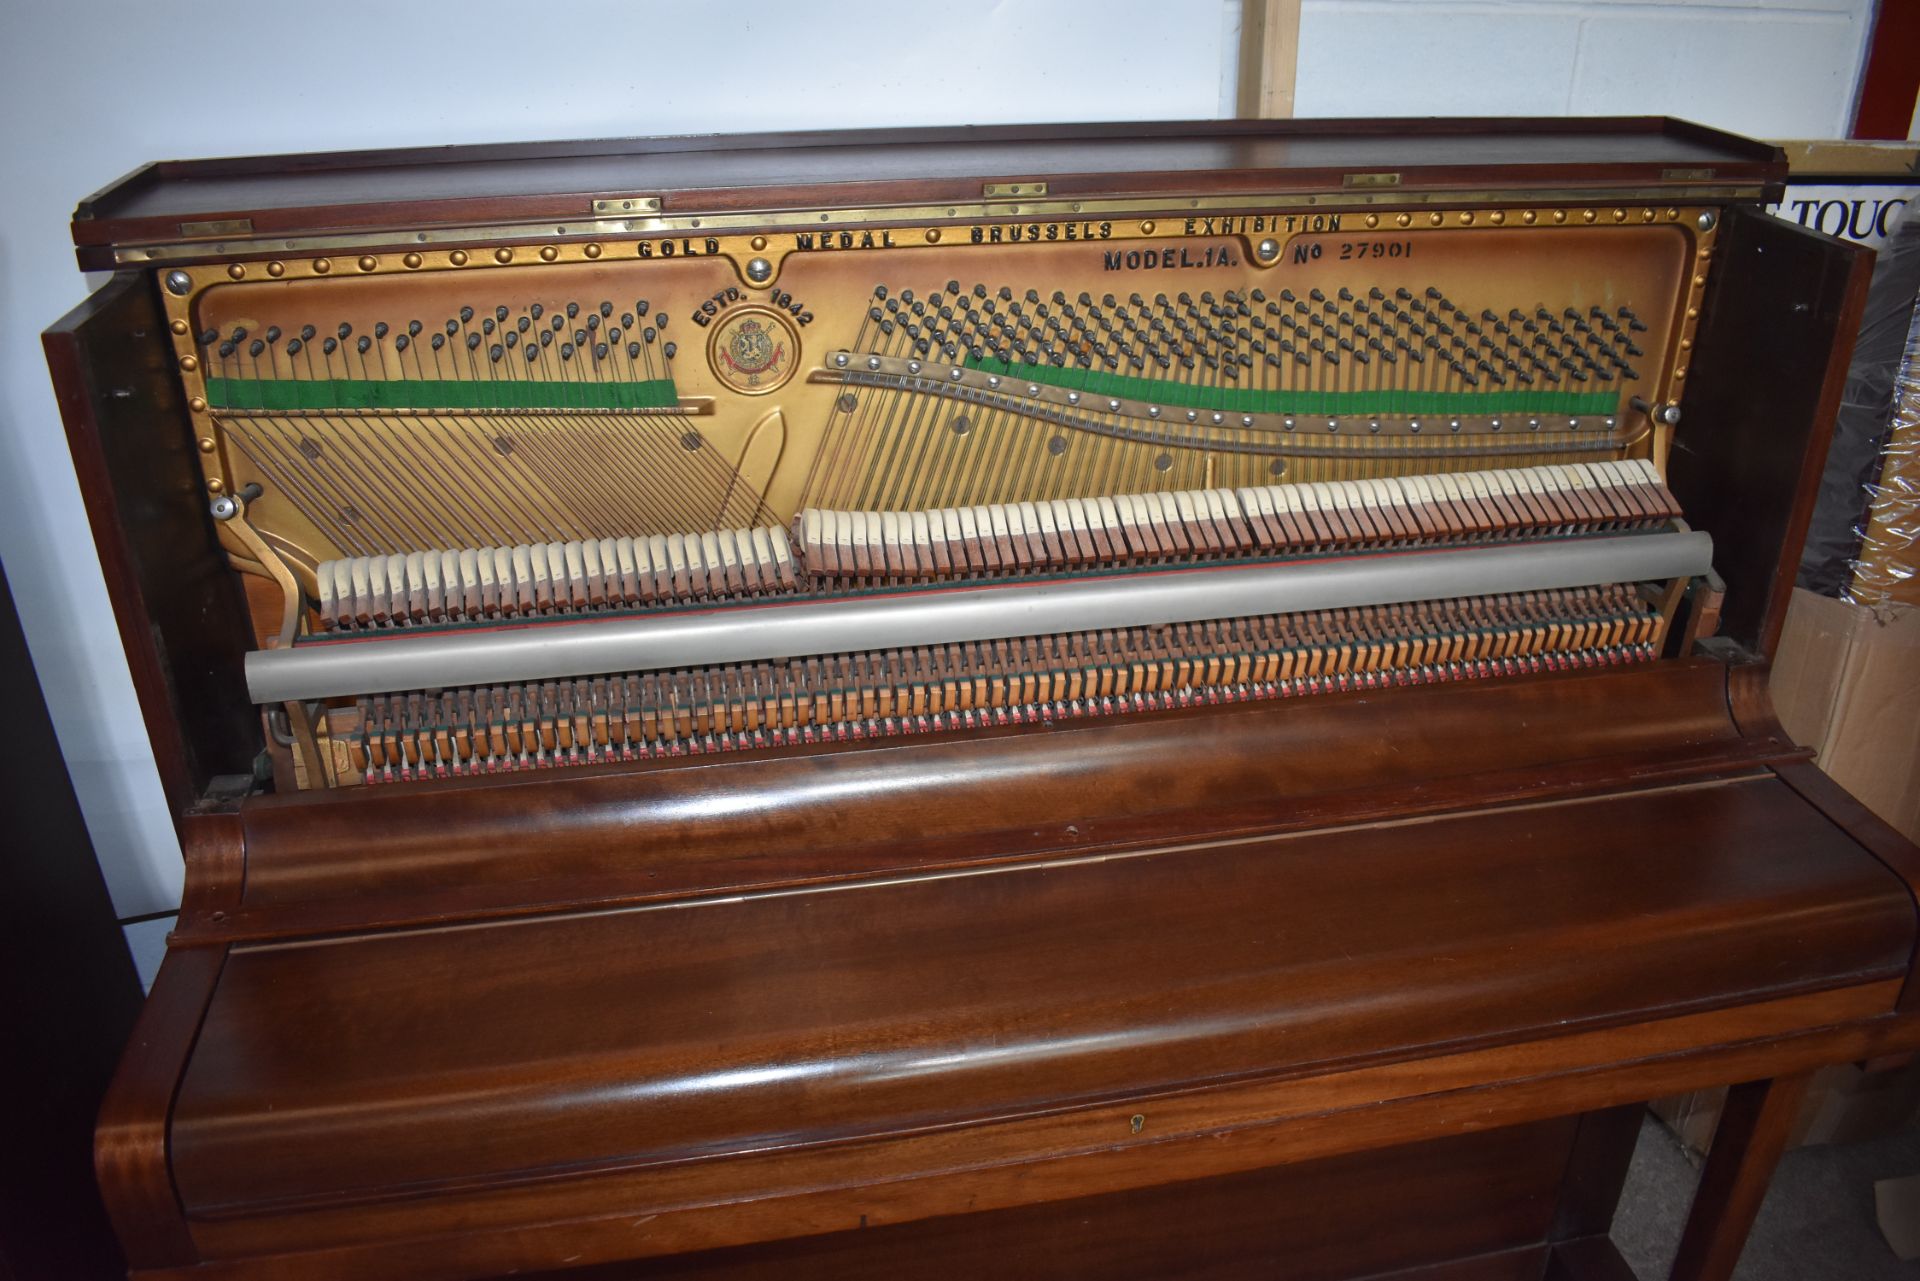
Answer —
1746 1146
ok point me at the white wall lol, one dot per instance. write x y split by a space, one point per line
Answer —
1769 68
91 90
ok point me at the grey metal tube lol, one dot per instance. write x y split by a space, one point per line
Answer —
753 633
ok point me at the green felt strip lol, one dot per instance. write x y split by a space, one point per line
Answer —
1249 400
449 394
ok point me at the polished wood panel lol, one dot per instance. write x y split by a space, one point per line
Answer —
592 1217
175 599
1488 1194
868 1010
651 831
372 191
1769 362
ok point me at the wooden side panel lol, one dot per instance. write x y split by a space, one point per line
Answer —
181 614
1764 381
131 1151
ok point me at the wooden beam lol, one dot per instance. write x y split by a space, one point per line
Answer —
1269 56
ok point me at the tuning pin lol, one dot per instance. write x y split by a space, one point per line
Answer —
566 351
400 342
487 326
573 311
511 338
330 346
536 311
647 334
439 341
640 308
523 325
633 351
365 345
380 329
669 350
413 328
546 338
294 346
226 350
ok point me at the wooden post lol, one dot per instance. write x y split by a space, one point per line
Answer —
1269 55
1746 1146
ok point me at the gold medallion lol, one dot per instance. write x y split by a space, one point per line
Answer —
754 350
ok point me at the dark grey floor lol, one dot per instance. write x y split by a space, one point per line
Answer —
1817 1224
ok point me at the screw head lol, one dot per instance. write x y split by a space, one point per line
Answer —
178 283
1706 220
1268 248
759 271
873 362
224 507
1073 398
840 360
955 373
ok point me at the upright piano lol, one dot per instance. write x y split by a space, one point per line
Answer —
1124 701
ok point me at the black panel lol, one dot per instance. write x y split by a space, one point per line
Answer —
68 997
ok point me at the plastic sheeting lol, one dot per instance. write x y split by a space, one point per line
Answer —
1863 544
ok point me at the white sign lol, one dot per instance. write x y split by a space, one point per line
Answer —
1864 213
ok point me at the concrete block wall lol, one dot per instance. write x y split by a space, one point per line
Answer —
1770 68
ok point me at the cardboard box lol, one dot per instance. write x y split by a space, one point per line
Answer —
1846 683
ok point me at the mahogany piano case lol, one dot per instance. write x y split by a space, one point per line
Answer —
1122 701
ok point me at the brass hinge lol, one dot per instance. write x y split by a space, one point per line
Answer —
614 206
1371 180
1686 175
1006 190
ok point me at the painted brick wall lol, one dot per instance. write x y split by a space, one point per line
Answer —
1770 68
